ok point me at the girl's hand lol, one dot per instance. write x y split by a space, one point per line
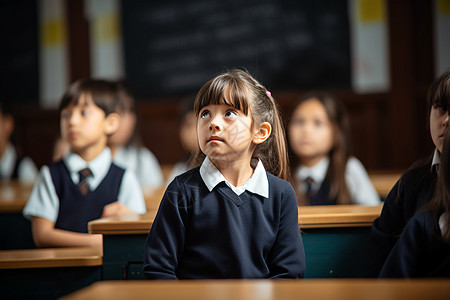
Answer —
115 209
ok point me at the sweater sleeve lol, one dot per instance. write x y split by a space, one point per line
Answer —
165 241
287 256
385 231
403 261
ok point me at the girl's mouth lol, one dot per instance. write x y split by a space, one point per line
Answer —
215 138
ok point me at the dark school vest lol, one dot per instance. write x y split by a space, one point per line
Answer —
76 209
15 173
322 196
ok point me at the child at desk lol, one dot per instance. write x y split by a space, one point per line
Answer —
232 217
13 166
423 249
188 138
85 185
416 186
126 148
324 171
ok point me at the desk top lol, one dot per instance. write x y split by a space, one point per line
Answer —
50 258
384 181
14 195
323 289
309 217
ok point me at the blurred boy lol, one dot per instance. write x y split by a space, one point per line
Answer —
85 185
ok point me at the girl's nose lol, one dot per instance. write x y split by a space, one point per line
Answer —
446 119
73 119
215 124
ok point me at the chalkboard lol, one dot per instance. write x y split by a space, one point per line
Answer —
19 54
174 47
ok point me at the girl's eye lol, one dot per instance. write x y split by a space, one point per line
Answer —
318 123
230 114
204 114
84 112
298 122
65 114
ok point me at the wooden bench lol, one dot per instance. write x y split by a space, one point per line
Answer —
48 273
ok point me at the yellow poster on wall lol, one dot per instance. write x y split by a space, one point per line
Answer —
372 10
444 7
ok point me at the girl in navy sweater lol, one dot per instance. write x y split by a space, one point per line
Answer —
234 216
416 187
423 249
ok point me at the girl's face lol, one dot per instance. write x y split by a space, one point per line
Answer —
123 135
188 133
439 119
310 132
225 133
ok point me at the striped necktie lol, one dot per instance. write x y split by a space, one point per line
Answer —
83 185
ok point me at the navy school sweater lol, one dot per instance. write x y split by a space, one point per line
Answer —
201 234
414 189
420 252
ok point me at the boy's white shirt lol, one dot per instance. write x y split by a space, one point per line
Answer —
44 202
257 184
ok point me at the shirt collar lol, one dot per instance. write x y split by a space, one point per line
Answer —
257 184
99 166
316 172
7 161
436 158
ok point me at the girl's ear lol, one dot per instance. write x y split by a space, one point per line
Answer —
262 133
112 123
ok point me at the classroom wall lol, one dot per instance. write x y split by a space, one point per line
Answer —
386 110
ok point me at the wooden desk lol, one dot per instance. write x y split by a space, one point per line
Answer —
48 273
384 181
349 289
13 196
335 240
50 258
15 230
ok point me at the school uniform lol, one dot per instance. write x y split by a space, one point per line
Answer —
142 162
358 183
414 189
419 252
56 197
17 167
207 228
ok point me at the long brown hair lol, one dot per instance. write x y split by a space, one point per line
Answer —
237 88
340 151
439 96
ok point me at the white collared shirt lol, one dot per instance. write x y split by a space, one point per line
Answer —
257 184
27 171
358 182
44 202
436 158
142 162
